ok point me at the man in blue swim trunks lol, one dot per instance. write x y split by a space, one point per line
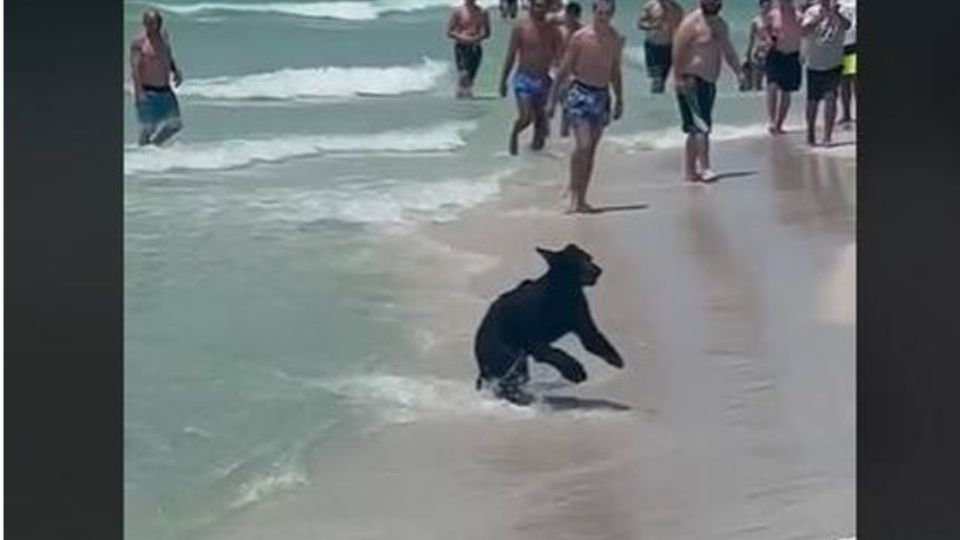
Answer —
592 59
151 66
537 43
702 42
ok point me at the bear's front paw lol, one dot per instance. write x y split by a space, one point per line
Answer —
575 373
615 360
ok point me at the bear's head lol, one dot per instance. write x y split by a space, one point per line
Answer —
571 264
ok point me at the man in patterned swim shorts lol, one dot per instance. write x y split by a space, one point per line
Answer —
535 43
593 59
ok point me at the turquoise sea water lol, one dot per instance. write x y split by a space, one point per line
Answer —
259 305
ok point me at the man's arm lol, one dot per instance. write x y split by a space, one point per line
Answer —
135 57
645 21
486 26
452 24
177 75
616 79
509 60
681 53
751 41
811 18
569 60
844 20
729 53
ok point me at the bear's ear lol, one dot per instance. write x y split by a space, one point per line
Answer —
546 254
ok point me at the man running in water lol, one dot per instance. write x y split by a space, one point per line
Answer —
469 25
593 60
659 19
783 62
151 66
537 43
701 43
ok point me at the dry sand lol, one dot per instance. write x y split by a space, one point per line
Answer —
732 305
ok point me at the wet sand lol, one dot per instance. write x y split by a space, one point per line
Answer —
734 418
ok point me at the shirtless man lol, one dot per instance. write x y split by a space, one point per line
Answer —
783 62
659 19
469 25
151 65
758 45
701 43
537 43
593 60
570 25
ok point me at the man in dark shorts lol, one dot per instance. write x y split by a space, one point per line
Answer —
701 43
824 28
468 26
783 62
659 19
151 67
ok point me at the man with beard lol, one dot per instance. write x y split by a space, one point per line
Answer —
535 45
701 43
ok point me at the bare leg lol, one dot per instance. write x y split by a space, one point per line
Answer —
812 107
782 111
169 129
690 158
146 132
541 127
773 92
846 93
581 163
524 118
656 85
703 147
829 116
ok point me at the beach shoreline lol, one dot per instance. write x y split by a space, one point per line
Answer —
734 416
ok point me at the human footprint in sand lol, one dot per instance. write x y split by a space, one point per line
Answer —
592 59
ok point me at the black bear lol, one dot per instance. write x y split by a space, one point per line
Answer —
526 320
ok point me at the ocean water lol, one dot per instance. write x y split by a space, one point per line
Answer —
262 318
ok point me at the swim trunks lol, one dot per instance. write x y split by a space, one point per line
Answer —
820 83
696 105
850 59
533 88
784 70
468 58
659 58
157 106
587 103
